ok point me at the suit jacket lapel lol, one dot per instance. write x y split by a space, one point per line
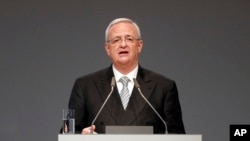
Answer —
103 83
147 86
113 105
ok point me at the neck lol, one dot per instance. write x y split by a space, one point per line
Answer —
125 69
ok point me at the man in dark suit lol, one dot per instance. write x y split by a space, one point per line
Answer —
123 46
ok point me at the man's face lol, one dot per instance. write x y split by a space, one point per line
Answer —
124 45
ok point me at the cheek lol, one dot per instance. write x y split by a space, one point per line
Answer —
137 50
108 50
111 52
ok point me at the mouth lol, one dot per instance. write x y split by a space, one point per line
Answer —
123 52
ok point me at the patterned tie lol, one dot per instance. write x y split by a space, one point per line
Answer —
124 94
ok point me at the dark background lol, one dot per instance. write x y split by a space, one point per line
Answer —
46 44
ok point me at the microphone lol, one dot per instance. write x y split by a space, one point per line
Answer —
104 103
150 105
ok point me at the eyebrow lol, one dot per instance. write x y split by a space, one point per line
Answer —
124 36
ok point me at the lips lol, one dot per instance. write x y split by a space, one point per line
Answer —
123 52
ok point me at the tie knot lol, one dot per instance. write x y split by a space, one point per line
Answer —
124 80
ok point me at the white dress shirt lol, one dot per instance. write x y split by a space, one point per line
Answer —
130 75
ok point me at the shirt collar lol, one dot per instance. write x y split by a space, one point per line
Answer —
131 75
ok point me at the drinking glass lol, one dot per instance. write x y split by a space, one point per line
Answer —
68 121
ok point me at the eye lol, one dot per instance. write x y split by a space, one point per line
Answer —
130 39
114 41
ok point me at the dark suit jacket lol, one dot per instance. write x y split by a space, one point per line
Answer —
90 91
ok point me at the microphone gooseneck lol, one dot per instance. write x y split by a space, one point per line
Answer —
104 103
150 105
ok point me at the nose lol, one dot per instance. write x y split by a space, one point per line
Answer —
123 43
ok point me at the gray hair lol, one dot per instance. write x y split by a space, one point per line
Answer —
119 20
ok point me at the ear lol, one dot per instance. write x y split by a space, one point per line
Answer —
140 45
107 48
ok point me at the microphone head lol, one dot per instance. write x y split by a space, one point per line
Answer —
136 83
113 82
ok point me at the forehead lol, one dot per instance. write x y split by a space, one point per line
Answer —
122 29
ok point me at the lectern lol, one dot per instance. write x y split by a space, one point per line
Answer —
129 137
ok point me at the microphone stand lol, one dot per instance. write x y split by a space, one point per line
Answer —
150 105
104 103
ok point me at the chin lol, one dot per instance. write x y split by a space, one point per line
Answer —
123 62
